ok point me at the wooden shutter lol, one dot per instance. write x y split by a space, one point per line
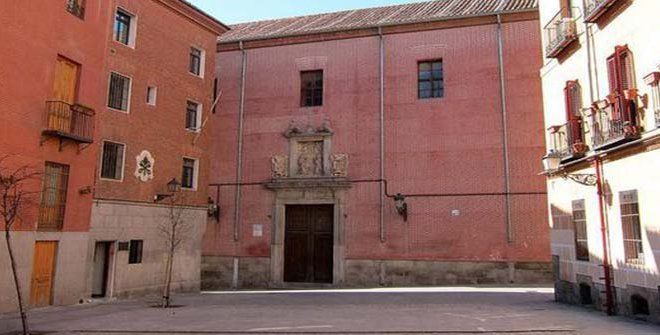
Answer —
572 100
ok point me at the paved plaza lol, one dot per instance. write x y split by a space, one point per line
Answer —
464 310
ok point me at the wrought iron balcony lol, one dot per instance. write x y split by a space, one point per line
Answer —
567 141
560 33
594 9
66 121
76 7
615 121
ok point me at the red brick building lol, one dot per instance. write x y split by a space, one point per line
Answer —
109 99
324 119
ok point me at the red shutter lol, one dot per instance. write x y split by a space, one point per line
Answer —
612 73
625 65
573 116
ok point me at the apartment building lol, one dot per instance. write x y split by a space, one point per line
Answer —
385 146
52 92
111 107
602 113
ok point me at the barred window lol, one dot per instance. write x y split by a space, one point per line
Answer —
122 29
135 252
76 7
113 161
119 92
311 88
53 196
192 116
431 80
632 230
580 231
188 174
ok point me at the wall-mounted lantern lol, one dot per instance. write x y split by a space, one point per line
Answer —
401 206
173 186
213 210
552 162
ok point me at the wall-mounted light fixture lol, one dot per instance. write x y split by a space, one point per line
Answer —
401 206
213 210
173 186
551 163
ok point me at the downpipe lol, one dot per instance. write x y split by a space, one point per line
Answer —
505 134
381 186
607 277
239 150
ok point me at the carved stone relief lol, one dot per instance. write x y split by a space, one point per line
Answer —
144 169
310 158
339 165
280 166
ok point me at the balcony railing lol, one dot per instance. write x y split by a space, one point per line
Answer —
614 122
594 9
567 141
76 7
74 122
560 32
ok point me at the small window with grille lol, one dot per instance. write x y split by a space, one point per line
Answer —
53 196
631 226
135 252
119 92
189 173
580 231
311 88
430 80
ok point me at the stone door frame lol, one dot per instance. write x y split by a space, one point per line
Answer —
307 197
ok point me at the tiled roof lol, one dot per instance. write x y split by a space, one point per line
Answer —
373 17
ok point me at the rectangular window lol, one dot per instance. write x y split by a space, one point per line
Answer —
151 95
430 80
76 7
196 61
631 225
119 92
580 231
122 30
188 175
311 90
53 196
193 114
135 252
112 163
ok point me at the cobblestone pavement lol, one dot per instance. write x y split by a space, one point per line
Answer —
466 310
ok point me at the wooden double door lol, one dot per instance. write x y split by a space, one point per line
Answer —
308 244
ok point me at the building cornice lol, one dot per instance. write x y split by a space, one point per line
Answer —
195 15
447 23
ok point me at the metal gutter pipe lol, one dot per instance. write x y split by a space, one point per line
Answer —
381 75
505 135
239 150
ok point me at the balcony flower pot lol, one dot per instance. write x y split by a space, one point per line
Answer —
630 94
611 98
580 148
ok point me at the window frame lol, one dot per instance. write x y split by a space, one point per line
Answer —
202 61
132 27
198 118
304 90
579 206
195 177
76 8
639 241
155 97
128 98
135 254
63 193
431 79
123 161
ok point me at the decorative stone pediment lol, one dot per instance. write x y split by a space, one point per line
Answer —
310 156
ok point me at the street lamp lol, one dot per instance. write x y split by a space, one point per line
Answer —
213 210
552 162
173 186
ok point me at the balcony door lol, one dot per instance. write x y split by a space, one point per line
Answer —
65 86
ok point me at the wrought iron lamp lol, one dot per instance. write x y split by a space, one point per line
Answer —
401 206
173 186
213 210
551 163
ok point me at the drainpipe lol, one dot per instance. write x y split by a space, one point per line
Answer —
239 150
609 300
381 75
505 135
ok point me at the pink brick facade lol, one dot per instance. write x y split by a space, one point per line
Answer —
450 149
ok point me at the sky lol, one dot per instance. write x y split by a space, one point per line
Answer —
237 11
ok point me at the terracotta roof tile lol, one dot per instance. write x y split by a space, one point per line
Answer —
373 17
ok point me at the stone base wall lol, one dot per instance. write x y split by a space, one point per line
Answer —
220 273
570 293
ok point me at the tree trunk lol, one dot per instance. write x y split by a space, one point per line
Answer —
14 271
168 279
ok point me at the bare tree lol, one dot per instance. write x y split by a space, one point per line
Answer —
176 229
16 197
